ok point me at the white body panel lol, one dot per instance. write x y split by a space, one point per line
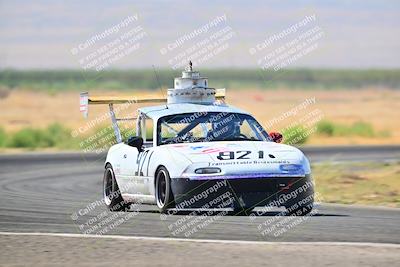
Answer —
135 171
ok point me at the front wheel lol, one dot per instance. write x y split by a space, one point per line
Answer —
301 199
163 192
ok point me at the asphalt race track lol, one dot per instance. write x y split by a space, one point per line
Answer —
61 193
51 214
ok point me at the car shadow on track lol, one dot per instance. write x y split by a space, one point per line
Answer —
195 212
270 214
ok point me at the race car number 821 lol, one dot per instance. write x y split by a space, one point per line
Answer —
241 154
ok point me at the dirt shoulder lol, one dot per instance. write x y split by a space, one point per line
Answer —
377 107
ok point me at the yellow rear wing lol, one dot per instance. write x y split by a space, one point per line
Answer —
95 100
86 100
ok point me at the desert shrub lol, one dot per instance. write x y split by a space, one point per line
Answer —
295 135
98 139
362 129
359 128
127 132
3 137
326 128
55 135
25 138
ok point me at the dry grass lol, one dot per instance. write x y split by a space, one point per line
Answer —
378 107
359 183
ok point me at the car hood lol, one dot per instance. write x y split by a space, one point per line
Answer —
243 158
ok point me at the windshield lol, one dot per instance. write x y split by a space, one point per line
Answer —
209 127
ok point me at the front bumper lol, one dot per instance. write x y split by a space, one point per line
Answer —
243 192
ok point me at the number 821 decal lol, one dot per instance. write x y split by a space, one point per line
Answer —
241 154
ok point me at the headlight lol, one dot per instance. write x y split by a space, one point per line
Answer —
306 165
207 170
290 167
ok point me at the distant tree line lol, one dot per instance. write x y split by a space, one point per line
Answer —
229 78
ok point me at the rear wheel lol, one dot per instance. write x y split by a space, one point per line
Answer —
163 192
111 194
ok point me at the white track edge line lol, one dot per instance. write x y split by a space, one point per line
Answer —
218 241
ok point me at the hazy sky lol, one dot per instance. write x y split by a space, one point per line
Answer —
356 34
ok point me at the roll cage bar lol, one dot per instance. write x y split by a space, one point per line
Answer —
85 101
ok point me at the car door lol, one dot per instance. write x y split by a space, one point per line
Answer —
134 163
146 130
142 171
128 181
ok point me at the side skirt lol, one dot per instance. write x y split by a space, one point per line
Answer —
136 198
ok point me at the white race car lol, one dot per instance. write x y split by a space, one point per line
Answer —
202 154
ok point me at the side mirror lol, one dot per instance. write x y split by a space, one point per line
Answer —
136 141
276 137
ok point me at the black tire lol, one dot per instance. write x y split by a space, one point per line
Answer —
303 202
239 210
111 194
163 193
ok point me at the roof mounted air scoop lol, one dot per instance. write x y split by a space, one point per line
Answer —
191 88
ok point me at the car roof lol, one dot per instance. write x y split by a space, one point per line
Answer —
156 112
